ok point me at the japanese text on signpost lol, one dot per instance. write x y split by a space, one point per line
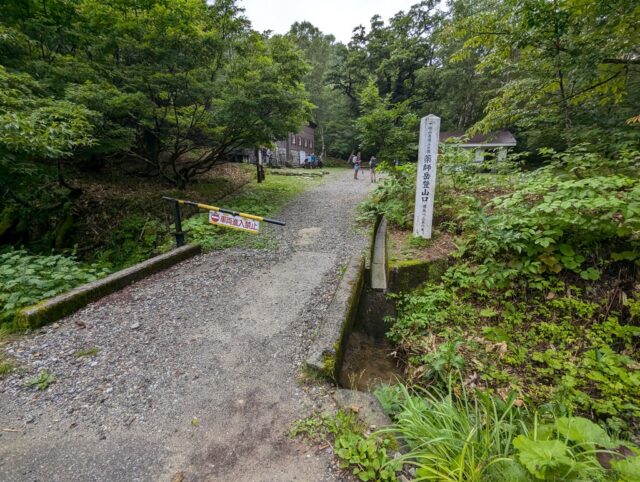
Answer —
426 175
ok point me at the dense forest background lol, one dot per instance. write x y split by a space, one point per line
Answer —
556 73
164 90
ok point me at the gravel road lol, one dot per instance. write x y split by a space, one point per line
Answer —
193 373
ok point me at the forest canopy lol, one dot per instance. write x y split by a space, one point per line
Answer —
556 73
165 88
158 89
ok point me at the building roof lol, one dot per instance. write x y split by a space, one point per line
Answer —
502 138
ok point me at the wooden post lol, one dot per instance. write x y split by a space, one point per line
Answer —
426 175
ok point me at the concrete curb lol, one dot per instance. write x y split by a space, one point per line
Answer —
63 305
379 258
327 352
369 408
408 275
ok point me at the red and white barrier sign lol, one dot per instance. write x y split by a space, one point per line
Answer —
235 222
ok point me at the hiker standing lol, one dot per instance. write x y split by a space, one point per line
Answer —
373 164
355 160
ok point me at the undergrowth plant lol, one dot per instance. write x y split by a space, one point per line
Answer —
579 214
574 448
394 196
458 437
365 455
42 381
542 295
26 279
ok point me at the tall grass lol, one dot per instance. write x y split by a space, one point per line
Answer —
460 438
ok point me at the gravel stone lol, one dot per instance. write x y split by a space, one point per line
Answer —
218 339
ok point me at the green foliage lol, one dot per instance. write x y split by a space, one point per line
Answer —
434 307
556 348
628 468
366 456
563 64
27 279
390 397
566 449
32 124
552 223
156 89
6 367
475 436
394 197
133 241
42 381
529 303
459 438
386 130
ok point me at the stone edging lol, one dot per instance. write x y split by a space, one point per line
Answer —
63 305
327 351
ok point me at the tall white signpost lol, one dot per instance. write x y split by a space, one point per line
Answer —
426 177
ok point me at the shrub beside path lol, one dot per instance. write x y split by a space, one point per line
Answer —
191 374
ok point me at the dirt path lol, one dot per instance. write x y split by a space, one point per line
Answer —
194 378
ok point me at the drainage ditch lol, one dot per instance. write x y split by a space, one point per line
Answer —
368 357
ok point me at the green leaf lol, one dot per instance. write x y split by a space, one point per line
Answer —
541 456
566 250
583 431
591 274
624 256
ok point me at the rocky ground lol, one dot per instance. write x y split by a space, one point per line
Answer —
193 374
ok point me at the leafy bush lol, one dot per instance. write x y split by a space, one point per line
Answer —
571 448
394 197
557 220
27 279
132 242
474 436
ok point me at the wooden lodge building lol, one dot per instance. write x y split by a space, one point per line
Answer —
288 152
296 147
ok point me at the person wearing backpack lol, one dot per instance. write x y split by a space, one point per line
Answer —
373 163
355 160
